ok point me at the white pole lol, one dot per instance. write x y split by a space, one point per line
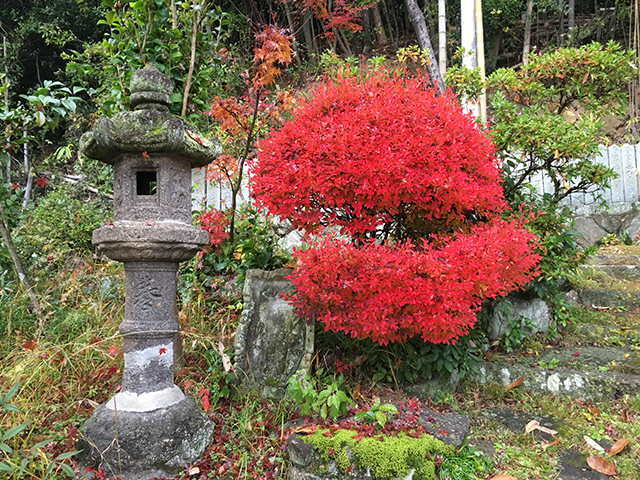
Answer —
442 37
468 40
480 58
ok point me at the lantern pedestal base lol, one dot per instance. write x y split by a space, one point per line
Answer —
137 444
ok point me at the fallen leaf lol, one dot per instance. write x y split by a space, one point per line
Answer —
194 471
187 384
618 446
504 477
624 415
546 445
145 154
546 430
30 345
576 354
162 351
516 383
601 465
151 223
226 361
593 443
305 430
356 392
594 411
113 350
531 426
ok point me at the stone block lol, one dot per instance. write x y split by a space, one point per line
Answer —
590 230
272 342
144 444
536 310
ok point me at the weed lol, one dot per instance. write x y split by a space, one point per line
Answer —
330 400
467 464
378 414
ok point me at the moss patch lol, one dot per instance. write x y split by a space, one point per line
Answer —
386 457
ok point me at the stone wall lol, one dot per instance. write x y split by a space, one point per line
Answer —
596 222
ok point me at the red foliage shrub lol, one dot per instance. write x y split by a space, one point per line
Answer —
391 294
215 222
415 185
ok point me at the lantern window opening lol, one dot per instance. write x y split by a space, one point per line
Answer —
147 183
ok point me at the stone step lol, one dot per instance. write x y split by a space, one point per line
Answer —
586 371
620 272
607 333
594 297
615 259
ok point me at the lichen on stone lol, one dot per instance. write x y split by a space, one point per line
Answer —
386 457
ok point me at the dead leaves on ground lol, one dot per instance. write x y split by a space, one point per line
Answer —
618 446
601 465
516 383
535 425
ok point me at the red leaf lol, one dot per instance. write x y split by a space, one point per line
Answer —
145 154
204 399
576 354
30 345
113 350
41 182
163 351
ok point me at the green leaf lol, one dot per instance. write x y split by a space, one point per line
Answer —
13 390
64 456
323 411
40 118
68 470
381 418
5 448
12 432
5 468
387 407
111 16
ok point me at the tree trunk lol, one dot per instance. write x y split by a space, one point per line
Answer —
420 27
527 33
192 63
308 36
294 44
378 27
17 264
442 37
495 50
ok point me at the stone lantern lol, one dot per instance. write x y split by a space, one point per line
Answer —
150 428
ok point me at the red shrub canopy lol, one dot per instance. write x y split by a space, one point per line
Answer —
364 153
416 186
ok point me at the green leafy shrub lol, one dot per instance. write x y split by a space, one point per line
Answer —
254 246
60 225
407 362
325 398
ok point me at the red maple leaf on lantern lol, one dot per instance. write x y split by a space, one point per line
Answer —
42 182
163 350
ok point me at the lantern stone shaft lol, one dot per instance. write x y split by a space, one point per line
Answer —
150 428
